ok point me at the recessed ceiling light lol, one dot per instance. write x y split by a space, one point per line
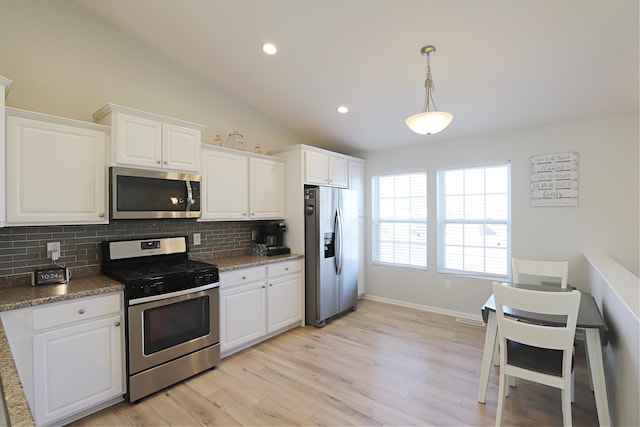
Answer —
343 110
269 48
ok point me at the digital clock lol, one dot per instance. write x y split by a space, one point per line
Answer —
50 276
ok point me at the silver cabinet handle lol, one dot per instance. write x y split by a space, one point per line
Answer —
244 278
117 324
101 215
158 161
81 311
263 286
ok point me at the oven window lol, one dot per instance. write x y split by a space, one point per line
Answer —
173 324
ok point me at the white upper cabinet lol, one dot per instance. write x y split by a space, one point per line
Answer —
4 89
150 140
224 185
316 167
56 170
266 188
241 186
323 168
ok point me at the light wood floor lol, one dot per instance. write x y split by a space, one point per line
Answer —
380 365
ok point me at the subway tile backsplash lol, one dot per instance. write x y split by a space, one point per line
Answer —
24 249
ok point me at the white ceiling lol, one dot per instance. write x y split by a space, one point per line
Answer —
500 64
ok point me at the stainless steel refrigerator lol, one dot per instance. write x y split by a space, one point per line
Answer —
331 253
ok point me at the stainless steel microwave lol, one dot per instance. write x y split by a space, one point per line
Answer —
149 194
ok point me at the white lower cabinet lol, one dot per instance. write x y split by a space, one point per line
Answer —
259 302
72 355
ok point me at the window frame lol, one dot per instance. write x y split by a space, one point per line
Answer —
376 220
441 222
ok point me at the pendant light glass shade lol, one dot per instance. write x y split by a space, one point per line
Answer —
431 120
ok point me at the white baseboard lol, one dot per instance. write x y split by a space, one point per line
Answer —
431 309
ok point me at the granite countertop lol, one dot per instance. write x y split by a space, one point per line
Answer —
246 261
14 296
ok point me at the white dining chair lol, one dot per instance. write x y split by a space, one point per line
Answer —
527 268
531 351
540 269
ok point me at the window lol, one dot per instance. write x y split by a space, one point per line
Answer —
400 219
474 221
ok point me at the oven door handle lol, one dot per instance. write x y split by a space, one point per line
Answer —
159 297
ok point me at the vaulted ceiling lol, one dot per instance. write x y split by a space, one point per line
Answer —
500 64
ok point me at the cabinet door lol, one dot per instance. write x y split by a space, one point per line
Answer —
137 141
338 172
181 148
55 173
224 186
242 314
266 189
285 307
316 168
77 367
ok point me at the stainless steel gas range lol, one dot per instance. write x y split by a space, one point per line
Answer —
172 311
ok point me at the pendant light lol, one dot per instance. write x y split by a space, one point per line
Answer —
431 120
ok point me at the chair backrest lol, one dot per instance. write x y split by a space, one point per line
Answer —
542 302
526 267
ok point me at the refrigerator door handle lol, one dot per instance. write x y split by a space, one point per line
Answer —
338 241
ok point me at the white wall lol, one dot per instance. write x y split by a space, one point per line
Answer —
65 61
606 219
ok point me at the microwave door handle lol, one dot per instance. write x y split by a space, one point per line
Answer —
189 195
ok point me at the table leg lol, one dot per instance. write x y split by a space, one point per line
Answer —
596 366
487 355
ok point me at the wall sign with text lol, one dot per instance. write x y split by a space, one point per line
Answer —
554 179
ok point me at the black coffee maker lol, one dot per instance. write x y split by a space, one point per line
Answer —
270 238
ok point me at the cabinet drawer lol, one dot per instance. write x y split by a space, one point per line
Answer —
285 267
75 311
245 275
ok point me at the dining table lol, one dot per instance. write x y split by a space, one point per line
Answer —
590 319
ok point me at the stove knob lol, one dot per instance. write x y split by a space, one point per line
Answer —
160 287
146 290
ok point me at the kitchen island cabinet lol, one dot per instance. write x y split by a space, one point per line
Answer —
150 140
241 186
259 302
55 170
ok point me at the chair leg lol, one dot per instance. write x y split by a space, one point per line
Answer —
507 383
573 382
566 407
501 396
586 354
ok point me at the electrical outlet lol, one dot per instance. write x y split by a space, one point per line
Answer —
53 247
196 239
447 284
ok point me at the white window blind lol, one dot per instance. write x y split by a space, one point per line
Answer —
399 232
474 221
